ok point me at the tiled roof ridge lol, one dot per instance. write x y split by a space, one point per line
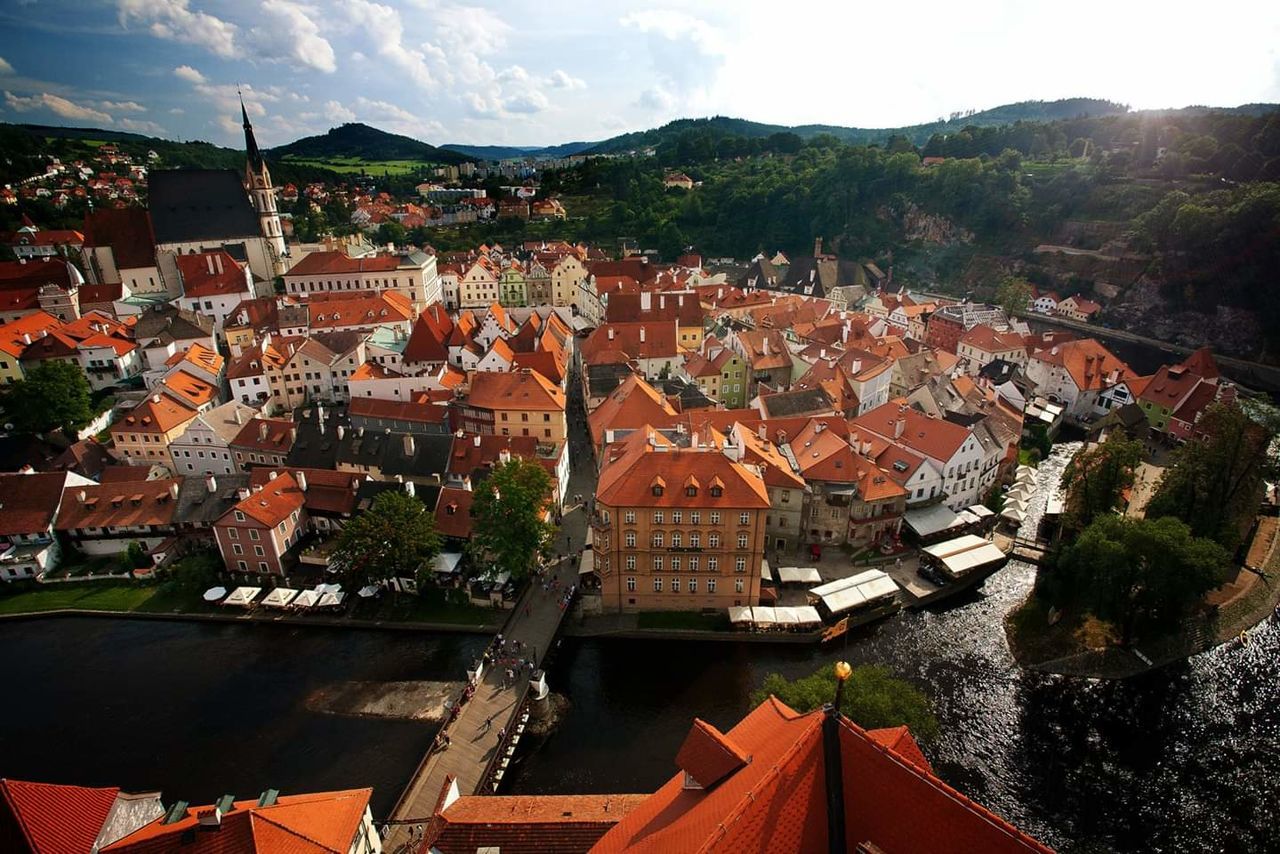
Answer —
748 799
263 814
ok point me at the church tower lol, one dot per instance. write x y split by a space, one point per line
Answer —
257 181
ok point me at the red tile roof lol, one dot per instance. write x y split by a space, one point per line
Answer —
339 263
708 755
36 324
930 437
541 824
44 818
211 274
427 341
524 389
119 505
29 502
272 504
277 437
157 414
629 479
453 512
321 823
630 406
327 491
1090 365
422 412
127 231
659 340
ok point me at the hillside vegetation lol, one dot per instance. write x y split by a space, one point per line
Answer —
361 142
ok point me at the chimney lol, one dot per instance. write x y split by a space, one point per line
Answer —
155 398
817 247
301 478
646 301
272 475
210 819
242 493
765 346
822 353
762 432
477 441
238 416
662 302
610 333
173 491
320 418
293 435
898 426
641 334
26 338
341 432
408 445
82 496
209 262
262 431
211 484
217 260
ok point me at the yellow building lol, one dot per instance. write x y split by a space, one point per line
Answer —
16 336
520 403
143 435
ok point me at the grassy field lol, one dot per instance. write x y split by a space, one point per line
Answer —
430 607
355 165
91 595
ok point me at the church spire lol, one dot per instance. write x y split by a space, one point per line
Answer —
250 144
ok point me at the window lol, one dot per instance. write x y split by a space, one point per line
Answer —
693 585
675 563
657 517
657 585
695 517
740 564
742 541
715 518
657 563
716 492
737 585
711 585
657 490
693 563
691 491
262 566
258 551
631 561
237 549
657 539
713 540
244 567
629 517
631 585
744 519
253 534
676 540
233 533
239 516
677 517
695 540
713 564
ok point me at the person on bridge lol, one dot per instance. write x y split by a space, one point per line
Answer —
487 725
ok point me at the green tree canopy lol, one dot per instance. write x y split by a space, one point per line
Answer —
1216 479
395 537
52 395
873 698
1013 295
509 515
1140 574
1096 477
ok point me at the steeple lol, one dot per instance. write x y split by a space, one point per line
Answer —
250 144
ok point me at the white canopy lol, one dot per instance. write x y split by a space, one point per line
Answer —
213 594
864 588
799 575
927 521
964 554
446 563
306 599
368 591
322 589
330 600
280 597
982 511
739 614
764 570
1013 512
242 596
763 616
967 518
807 615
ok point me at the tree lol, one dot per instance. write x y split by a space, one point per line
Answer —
873 698
392 540
1137 573
1216 479
1013 295
391 232
509 515
1095 479
52 395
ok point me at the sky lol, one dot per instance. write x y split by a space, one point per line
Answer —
539 72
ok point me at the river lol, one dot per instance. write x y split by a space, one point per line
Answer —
1180 760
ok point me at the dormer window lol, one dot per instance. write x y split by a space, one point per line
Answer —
716 491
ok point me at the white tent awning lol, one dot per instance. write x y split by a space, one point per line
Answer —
799 575
242 596
280 597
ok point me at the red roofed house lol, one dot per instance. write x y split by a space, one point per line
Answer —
29 505
951 449
214 284
1081 374
678 528
522 403
319 823
142 435
413 275
652 345
120 246
263 442
17 336
631 406
1079 308
982 345
43 818
103 519
260 532
453 513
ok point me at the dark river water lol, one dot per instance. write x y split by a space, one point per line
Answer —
1187 759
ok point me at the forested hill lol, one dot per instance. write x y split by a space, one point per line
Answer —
1041 111
361 142
513 152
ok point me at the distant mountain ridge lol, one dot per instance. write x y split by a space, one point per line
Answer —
365 143
1044 111
516 152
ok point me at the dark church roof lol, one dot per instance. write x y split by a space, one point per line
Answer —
189 205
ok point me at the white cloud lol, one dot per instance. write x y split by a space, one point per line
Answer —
290 30
656 99
686 53
55 104
177 111
5 67
335 112
385 30
189 74
560 79
174 20
138 126
122 106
